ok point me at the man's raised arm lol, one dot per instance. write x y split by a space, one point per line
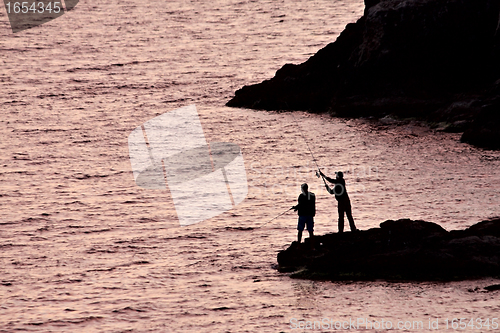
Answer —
333 181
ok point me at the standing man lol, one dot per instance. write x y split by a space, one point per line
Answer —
306 210
344 203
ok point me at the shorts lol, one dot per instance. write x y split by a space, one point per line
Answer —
303 220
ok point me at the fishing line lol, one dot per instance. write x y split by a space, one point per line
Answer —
302 134
274 218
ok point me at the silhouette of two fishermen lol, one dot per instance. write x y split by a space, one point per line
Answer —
306 206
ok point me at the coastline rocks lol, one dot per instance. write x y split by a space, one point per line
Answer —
430 59
398 250
484 131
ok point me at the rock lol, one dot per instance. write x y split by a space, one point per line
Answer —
435 60
411 228
400 250
485 129
493 287
458 126
489 227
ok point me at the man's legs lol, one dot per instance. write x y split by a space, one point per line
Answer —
341 217
300 227
310 229
348 212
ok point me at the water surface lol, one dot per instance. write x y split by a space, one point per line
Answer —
86 250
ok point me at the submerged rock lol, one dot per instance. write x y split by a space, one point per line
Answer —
493 287
400 250
436 60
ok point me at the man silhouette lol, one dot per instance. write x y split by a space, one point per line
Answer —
306 209
344 203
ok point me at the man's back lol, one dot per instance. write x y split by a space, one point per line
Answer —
307 204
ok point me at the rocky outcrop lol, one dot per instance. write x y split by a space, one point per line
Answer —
398 250
431 59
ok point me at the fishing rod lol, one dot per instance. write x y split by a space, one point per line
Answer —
274 218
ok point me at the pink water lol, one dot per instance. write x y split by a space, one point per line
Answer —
83 249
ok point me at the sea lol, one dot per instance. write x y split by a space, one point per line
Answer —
83 248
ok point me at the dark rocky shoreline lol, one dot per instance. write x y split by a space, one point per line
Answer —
398 250
437 61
